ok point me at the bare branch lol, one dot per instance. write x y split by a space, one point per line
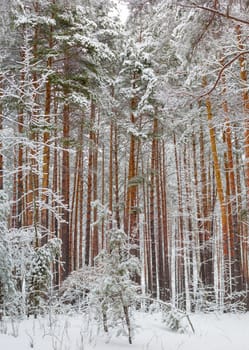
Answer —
221 72
216 12
201 36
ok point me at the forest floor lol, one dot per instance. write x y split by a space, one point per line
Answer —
212 332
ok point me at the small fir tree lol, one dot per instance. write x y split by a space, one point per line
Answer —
114 292
7 285
40 275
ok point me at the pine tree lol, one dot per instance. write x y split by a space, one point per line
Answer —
114 294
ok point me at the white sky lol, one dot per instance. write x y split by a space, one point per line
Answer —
123 11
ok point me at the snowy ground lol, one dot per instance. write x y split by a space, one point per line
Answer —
212 332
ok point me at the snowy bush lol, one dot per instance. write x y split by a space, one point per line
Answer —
25 271
107 291
74 290
175 319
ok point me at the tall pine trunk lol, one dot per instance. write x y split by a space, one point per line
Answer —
65 191
220 192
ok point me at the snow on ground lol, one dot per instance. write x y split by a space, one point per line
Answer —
212 332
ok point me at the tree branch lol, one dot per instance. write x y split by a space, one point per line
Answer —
216 12
221 72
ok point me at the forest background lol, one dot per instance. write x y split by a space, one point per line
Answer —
139 129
